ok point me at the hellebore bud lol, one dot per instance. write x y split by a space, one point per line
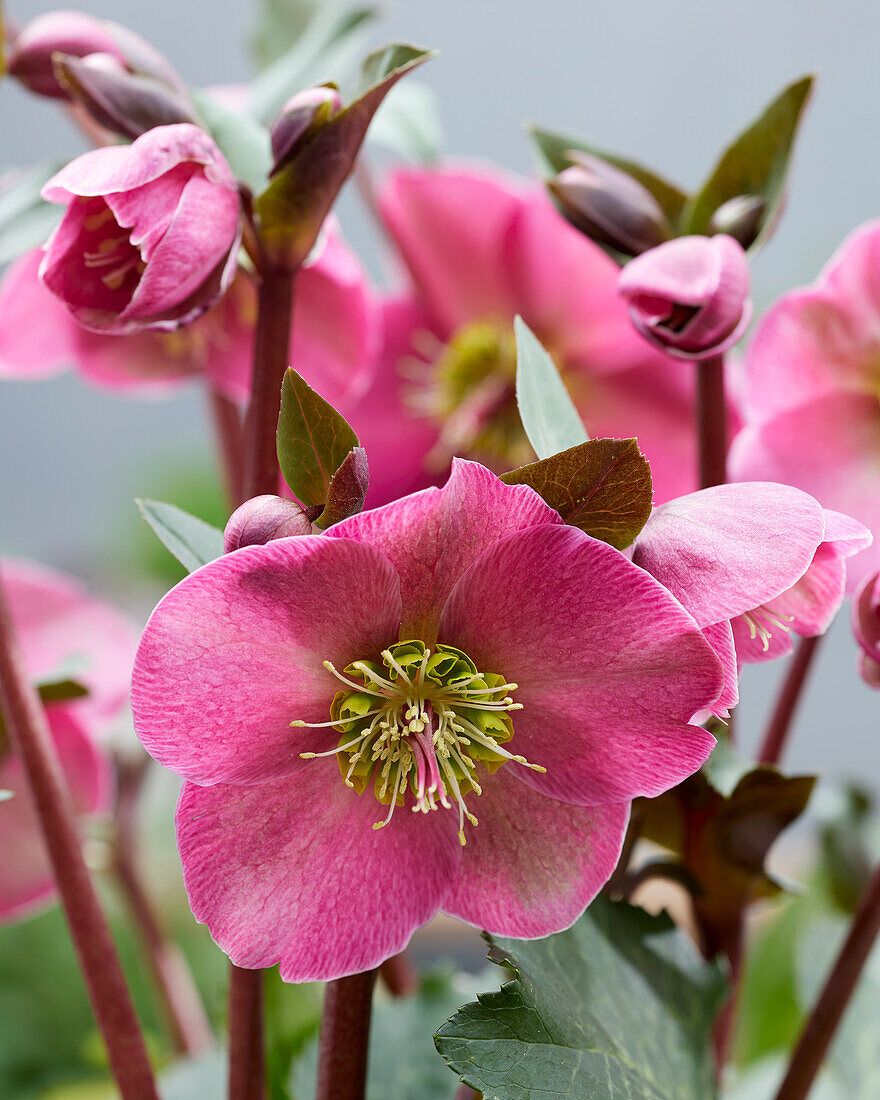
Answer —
866 627
609 206
298 120
741 218
689 296
78 35
263 519
151 233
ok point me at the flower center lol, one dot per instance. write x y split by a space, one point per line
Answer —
423 720
762 622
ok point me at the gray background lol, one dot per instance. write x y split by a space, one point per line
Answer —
668 83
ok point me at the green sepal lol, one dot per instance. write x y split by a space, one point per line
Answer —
549 417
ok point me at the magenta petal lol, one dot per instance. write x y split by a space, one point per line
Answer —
866 615
233 655
433 536
26 880
292 872
720 638
726 550
533 865
610 667
37 334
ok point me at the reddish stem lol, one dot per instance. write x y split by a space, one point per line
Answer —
786 704
246 1063
228 432
399 975
89 931
345 1034
711 422
465 1092
820 1028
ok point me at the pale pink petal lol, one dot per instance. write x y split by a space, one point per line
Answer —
37 334
233 654
433 536
852 275
58 622
533 865
26 880
293 872
726 550
831 448
449 227
610 668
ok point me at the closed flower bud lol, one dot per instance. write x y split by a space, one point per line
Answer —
298 120
866 627
741 218
609 206
262 519
689 296
151 233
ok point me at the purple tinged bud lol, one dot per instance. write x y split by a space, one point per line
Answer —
689 296
866 627
609 206
300 117
262 519
741 218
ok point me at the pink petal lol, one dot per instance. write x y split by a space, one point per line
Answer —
831 448
720 638
751 648
433 536
449 227
58 621
233 655
610 668
292 872
37 334
26 879
533 865
148 211
727 550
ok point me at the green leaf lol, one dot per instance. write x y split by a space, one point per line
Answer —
242 140
408 123
602 486
26 220
619 1007
552 149
755 164
546 409
192 541
323 51
313 440
278 26
293 207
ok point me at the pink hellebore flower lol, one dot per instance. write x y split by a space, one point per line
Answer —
812 395
481 248
345 706
866 627
333 334
752 562
689 296
58 624
151 233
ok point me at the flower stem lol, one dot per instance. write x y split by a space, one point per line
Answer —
711 422
826 1015
399 975
89 931
227 429
345 1034
246 1064
780 723
271 358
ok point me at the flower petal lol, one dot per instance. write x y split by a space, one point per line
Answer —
727 550
610 667
533 864
292 872
433 536
37 334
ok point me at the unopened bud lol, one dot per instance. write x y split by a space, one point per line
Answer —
262 519
741 218
866 627
609 206
300 117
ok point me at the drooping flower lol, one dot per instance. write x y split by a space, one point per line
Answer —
753 563
331 343
350 708
150 235
480 248
812 392
66 636
866 627
689 296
